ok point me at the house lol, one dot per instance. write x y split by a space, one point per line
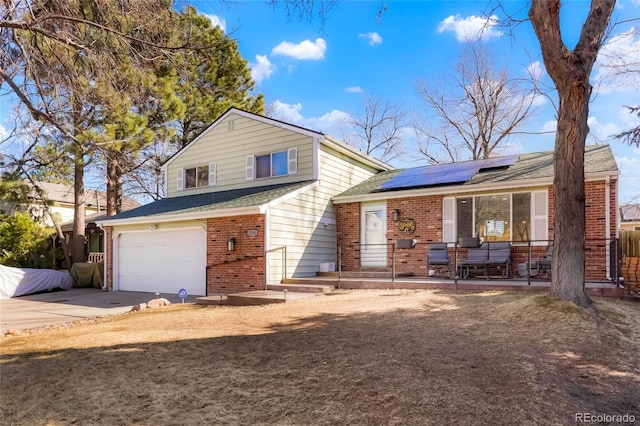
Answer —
499 199
248 203
630 217
253 200
60 200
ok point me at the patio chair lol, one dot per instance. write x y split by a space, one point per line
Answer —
539 265
438 255
544 264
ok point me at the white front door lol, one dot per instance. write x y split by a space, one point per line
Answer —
373 250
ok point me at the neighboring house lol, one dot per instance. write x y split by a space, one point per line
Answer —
60 200
630 217
500 199
248 202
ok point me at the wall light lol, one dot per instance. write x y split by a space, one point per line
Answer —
231 244
396 215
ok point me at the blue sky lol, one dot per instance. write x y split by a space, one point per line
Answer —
317 74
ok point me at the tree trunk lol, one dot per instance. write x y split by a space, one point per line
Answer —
78 239
569 223
570 71
115 174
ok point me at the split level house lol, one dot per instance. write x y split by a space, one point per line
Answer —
253 200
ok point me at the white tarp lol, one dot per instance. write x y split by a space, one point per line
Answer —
19 281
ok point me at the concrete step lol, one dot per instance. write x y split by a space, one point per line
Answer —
364 274
212 299
265 297
302 286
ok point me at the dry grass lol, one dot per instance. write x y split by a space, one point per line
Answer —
361 357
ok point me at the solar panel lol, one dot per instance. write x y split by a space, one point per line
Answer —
493 163
444 173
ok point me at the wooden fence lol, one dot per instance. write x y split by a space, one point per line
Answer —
630 265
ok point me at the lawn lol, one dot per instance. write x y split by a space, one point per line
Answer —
348 358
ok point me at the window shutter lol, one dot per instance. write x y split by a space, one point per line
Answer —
212 174
448 219
250 162
540 216
180 180
293 161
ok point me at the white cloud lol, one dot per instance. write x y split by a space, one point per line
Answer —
217 21
618 64
374 38
3 132
262 69
332 123
289 113
471 28
354 89
305 50
602 132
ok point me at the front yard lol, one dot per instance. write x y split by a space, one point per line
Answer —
359 357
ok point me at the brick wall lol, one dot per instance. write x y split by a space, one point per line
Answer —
427 213
108 240
242 269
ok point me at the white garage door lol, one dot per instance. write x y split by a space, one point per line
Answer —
163 261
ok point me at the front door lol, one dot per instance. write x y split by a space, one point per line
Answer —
373 250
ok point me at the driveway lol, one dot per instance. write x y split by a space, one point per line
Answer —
43 309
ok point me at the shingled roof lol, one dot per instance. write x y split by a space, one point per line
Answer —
210 201
528 167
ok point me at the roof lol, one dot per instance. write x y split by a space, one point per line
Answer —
531 168
60 193
204 205
629 212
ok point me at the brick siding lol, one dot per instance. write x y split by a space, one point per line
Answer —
242 269
427 213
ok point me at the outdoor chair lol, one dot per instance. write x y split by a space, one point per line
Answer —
539 265
438 255
544 264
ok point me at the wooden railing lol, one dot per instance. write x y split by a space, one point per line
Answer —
95 257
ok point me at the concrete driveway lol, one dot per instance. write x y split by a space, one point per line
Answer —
38 310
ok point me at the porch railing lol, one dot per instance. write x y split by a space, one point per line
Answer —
95 257
525 252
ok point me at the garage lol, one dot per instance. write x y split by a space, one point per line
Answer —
162 261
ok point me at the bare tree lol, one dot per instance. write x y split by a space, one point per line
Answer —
377 129
474 113
631 136
570 71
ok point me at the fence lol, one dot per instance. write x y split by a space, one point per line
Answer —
630 259
602 258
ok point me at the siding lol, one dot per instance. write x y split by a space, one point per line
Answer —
306 224
228 143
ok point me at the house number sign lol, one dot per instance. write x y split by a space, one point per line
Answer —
408 225
252 233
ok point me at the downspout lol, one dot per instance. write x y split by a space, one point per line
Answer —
607 222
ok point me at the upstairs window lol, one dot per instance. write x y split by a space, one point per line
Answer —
280 163
196 177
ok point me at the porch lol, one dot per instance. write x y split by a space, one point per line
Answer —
376 280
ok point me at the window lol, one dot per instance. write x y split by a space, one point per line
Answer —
196 177
281 163
517 217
